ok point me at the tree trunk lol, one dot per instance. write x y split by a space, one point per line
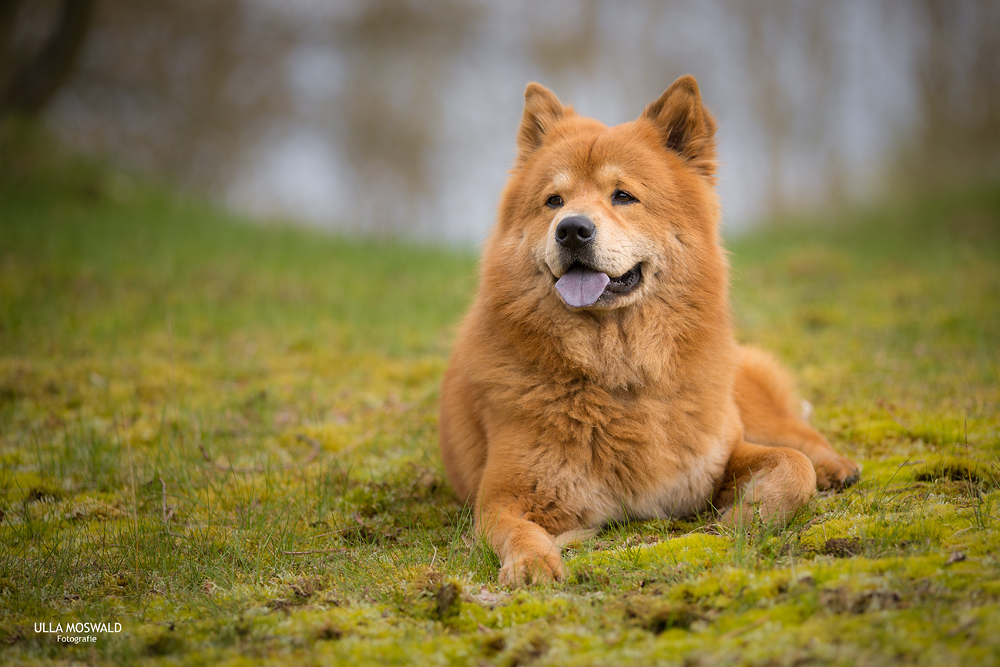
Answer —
29 89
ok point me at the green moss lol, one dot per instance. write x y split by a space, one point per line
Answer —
975 473
695 549
815 538
428 594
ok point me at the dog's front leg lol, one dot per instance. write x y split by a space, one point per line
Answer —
508 509
528 553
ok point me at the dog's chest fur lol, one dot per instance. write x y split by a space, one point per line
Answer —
603 455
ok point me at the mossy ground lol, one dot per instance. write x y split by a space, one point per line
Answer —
223 437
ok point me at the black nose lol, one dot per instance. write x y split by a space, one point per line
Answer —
575 232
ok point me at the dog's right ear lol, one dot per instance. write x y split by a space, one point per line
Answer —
542 110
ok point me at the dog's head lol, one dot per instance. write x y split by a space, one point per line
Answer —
611 216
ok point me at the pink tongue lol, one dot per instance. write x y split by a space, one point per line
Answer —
580 287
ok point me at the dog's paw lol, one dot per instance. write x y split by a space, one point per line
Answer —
525 569
836 473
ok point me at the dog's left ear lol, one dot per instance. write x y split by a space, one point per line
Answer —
685 125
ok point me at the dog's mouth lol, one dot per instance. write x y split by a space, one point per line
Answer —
582 287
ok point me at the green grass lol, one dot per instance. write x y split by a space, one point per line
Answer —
223 436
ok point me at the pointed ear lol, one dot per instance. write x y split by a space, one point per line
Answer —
685 125
542 110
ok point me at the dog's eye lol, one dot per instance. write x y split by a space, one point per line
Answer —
622 197
555 201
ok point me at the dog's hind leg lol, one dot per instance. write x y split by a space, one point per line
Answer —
771 416
769 482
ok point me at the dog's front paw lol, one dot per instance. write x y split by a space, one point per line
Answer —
836 473
524 569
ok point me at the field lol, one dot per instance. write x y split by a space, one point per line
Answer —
222 436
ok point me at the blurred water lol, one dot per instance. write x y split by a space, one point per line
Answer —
398 117
844 109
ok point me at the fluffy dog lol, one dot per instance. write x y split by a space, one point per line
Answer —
596 376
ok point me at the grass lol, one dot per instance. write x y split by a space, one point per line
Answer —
222 436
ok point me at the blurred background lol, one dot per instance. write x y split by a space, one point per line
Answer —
395 117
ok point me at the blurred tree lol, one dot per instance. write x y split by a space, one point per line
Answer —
387 115
183 88
956 66
29 80
790 60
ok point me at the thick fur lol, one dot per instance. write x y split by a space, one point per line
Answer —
556 420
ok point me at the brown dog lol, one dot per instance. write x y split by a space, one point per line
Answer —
596 377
